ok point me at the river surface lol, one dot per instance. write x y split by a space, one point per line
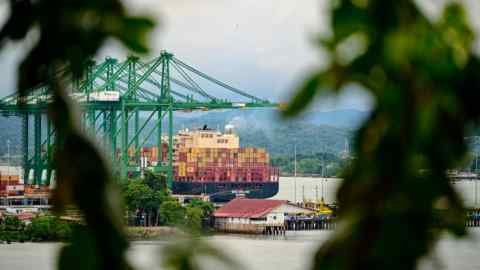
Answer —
291 252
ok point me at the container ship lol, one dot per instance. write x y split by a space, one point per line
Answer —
212 163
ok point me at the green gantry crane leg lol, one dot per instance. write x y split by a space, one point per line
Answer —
136 129
136 87
159 139
170 147
124 143
113 135
48 152
37 157
26 149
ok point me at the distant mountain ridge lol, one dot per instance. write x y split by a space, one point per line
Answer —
351 119
312 132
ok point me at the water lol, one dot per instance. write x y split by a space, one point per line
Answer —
292 252
308 187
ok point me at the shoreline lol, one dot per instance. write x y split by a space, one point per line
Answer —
310 176
151 233
140 234
131 233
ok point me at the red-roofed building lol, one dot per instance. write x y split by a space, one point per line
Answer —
254 215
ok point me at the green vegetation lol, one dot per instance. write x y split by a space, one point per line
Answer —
172 213
41 228
49 228
143 197
320 164
12 229
149 204
280 139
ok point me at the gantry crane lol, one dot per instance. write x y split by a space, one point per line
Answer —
113 96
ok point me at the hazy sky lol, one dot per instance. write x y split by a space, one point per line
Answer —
264 47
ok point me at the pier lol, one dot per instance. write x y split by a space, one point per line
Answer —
310 223
473 218
295 223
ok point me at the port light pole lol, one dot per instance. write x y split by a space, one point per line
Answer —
8 157
476 181
295 173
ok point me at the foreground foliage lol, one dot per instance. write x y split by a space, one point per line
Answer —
67 34
422 75
424 80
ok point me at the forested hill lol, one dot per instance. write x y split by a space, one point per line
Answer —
308 138
312 133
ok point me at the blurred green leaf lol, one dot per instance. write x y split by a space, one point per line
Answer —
69 33
304 96
133 33
421 74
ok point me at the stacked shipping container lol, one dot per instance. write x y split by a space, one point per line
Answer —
223 165
206 161
10 185
149 154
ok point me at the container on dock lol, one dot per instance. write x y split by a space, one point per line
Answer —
10 185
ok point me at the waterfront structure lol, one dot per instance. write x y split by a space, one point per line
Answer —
206 138
112 96
256 215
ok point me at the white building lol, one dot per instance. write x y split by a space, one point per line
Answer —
255 215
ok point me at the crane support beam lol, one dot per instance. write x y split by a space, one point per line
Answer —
126 105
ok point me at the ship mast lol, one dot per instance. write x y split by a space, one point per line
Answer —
8 152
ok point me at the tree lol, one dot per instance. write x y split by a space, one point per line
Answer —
134 194
206 208
140 197
424 80
11 229
48 228
193 218
156 182
310 165
172 213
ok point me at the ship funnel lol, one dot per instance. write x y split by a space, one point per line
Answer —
229 128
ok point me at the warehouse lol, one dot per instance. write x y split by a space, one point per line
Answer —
255 215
